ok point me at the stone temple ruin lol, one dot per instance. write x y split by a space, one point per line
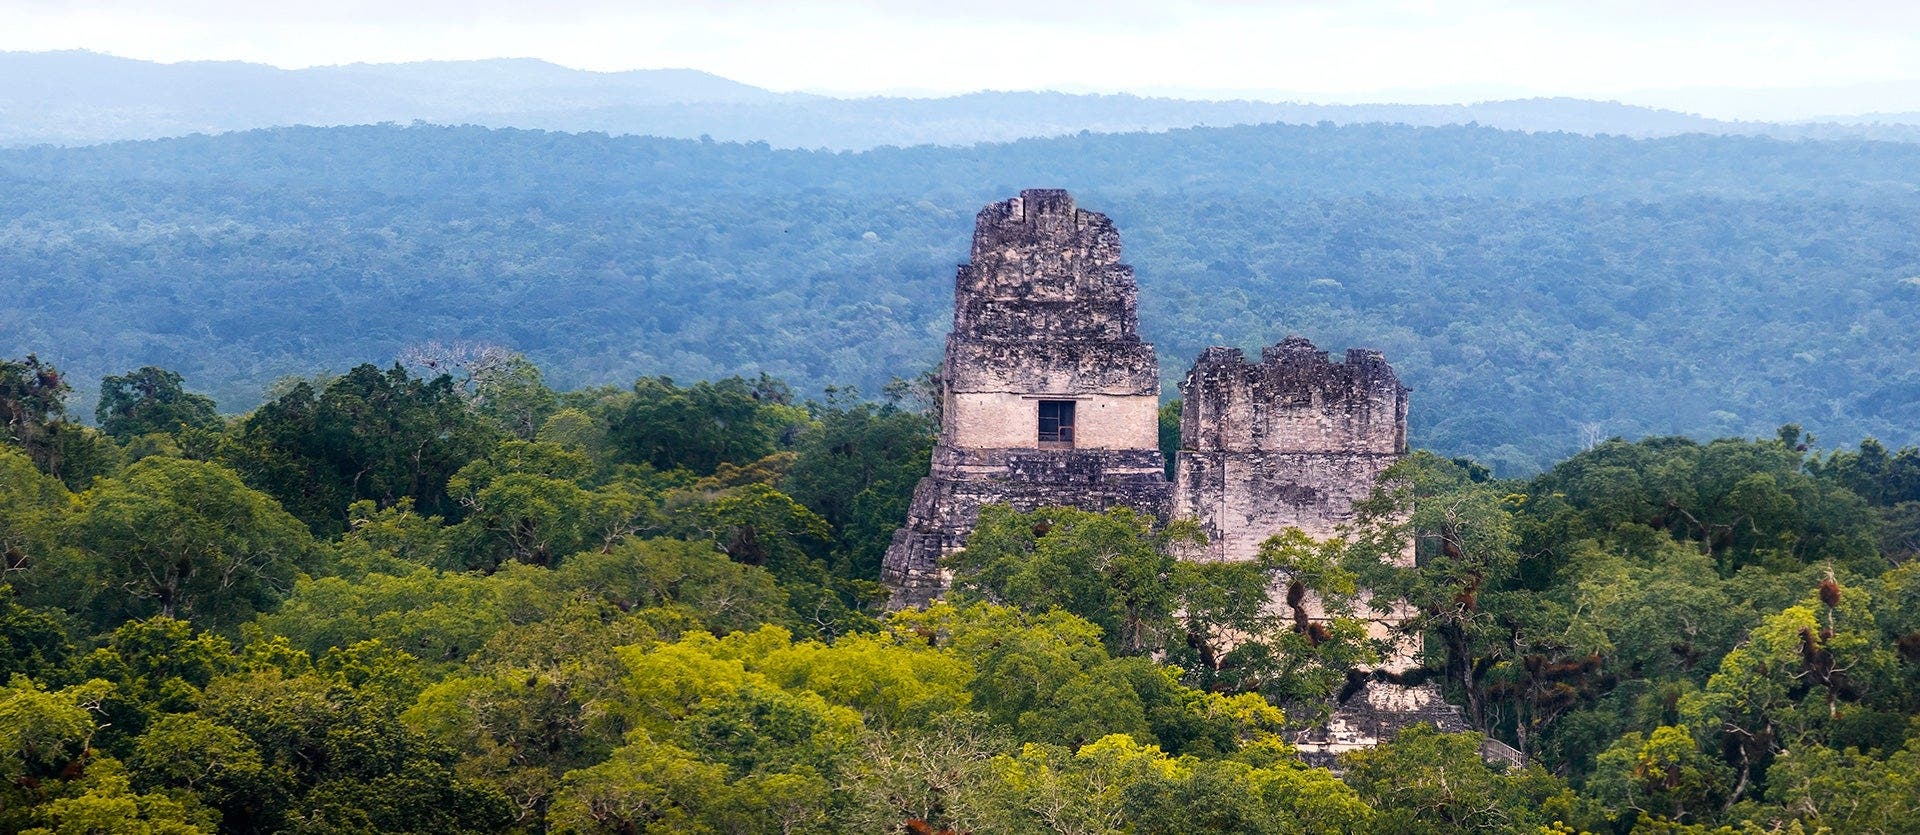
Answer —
1048 397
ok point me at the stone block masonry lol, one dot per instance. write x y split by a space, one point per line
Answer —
1045 329
1294 440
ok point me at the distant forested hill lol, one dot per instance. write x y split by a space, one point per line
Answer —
73 98
1534 289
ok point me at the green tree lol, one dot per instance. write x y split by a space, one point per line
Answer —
1046 677
185 539
575 429
645 786
1304 655
536 701
108 805
688 577
1786 684
893 682
525 502
33 417
1263 790
31 506
1425 781
513 395
1895 599
758 525
1170 434
33 400
857 467
1664 774
1466 547
42 732
371 434
334 753
1847 791
521 729
775 753
1085 792
735 420
185 753
33 642
1662 605
151 400
1874 473
390 540
1111 568
435 616
1742 502
941 775
156 666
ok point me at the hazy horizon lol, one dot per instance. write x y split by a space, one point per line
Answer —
1755 60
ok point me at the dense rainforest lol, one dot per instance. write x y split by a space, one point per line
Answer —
1538 291
449 597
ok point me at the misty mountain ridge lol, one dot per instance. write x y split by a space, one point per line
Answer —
78 98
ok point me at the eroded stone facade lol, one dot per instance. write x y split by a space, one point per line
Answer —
1044 312
1294 440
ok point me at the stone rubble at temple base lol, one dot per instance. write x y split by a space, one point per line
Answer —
1378 711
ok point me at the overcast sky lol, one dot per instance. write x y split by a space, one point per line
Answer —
1328 51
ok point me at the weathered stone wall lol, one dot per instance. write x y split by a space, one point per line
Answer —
1121 367
1103 421
1044 310
1294 440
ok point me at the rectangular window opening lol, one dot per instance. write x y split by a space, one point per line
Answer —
1056 424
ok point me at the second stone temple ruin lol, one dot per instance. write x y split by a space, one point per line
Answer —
1048 397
